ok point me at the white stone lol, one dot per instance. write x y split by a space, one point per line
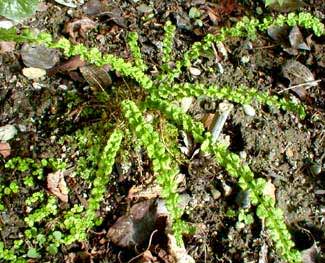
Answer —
34 73
195 71
249 110
7 132
6 24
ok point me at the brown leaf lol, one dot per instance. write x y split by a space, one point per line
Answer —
298 74
79 27
72 64
97 77
7 46
57 185
93 7
5 149
135 227
296 39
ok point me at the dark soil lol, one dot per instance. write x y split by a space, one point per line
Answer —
276 144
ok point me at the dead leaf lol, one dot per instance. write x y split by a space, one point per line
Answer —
309 255
7 46
93 7
57 185
296 39
135 227
97 77
72 64
79 27
179 253
298 74
5 149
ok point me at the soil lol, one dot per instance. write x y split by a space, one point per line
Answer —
277 145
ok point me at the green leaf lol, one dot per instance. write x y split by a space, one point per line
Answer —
52 249
32 253
17 10
194 13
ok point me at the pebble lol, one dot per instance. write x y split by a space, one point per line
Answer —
227 189
186 103
249 110
316 169
7 132
195 71
215 194
6 24
243 199
34 73
245 59
38 56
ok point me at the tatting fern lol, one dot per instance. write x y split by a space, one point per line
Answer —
161 92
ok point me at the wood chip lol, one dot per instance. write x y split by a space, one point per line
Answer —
57 185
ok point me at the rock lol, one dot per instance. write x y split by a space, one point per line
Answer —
144 9
6 24
215 194
34 73
249 110
39 56
316 169
7 132
243 199
195 71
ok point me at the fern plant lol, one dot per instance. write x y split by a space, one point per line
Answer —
160 92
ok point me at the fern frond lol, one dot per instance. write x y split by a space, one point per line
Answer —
241 95
163 166
135 50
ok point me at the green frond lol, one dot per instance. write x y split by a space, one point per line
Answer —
178 116
241 95
163 167
81 224
169 29
266 210
135 50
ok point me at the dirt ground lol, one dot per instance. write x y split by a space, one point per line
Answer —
53 115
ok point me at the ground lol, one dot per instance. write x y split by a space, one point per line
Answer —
54 115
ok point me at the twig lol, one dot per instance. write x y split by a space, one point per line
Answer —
224 110
309 83
149 244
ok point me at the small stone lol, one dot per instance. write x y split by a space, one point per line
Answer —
38 56
243 155
63 87
245 59
22 127
243 199
249 110
34 73
144 9
195 71
6 24
316 169
227 189
269 190
186 103
215 194
7 132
